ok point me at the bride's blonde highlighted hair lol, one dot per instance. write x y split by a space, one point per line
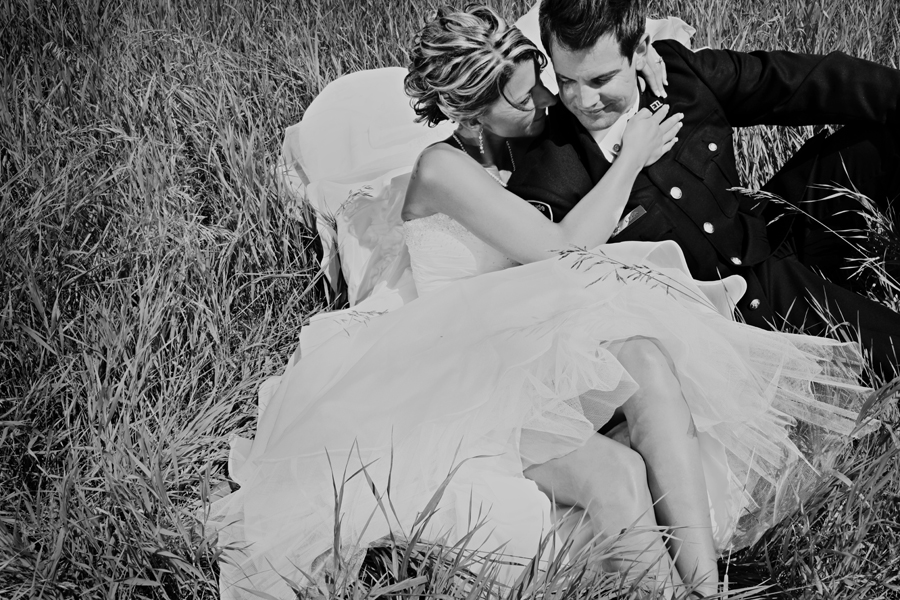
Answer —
461 61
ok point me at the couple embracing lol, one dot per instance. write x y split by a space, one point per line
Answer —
504 376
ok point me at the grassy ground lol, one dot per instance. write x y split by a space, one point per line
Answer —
151 278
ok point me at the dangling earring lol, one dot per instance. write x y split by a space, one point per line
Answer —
481 140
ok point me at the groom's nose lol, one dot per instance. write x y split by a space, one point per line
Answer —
586 96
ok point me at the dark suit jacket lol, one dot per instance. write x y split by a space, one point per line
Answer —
686 193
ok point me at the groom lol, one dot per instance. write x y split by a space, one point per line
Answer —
597 47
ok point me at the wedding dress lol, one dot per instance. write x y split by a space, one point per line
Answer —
492 368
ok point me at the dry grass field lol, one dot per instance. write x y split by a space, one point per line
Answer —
151 276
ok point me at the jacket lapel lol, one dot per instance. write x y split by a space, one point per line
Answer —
587 149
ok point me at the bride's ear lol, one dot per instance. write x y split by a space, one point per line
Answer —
472 127
473 124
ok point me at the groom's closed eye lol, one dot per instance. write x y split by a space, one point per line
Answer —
595 82
601 81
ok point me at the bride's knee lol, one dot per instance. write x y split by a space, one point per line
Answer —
659 392
629 487
639 348
602 474
644 360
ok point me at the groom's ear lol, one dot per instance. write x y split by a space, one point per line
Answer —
639 59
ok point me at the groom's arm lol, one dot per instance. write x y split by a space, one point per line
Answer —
787 88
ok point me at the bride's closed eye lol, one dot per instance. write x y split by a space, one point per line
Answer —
524 104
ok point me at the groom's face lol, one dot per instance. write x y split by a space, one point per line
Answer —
597 84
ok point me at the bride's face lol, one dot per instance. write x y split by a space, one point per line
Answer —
521 110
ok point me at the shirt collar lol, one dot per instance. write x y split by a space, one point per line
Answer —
611 143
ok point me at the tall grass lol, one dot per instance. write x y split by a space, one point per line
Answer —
151 276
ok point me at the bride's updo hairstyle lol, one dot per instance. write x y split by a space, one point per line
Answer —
461 62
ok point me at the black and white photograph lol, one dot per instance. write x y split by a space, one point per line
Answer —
449 300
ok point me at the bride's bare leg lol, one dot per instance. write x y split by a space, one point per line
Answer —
663 432
609 481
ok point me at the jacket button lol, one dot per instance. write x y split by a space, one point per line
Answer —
675 192
735 260
713 147
708 227
754 304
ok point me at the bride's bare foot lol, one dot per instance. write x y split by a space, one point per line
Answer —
662 430
609 481
641 556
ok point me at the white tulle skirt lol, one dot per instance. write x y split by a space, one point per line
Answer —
459 378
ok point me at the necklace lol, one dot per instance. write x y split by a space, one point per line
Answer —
512 161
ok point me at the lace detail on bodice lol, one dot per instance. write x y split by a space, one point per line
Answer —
442 251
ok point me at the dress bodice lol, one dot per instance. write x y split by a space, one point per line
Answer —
442 251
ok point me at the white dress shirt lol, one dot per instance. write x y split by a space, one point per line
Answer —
610 140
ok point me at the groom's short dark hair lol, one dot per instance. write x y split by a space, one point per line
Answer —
578 24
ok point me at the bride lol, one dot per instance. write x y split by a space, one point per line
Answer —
501 376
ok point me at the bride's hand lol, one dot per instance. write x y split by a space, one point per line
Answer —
654 72
650 135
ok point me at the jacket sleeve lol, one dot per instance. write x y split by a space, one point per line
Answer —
787 88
